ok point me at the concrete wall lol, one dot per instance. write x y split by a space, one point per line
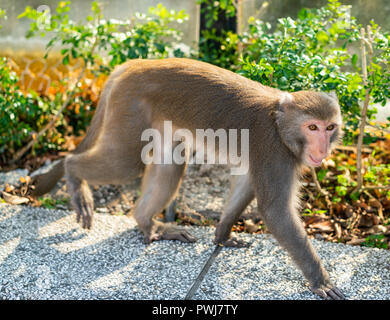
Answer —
13 31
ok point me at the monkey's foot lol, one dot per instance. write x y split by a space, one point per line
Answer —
232 242
168 232
328 292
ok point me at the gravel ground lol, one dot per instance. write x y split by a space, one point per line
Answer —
45 254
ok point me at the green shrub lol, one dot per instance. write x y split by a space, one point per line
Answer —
22 115
143 36
217 45
152 37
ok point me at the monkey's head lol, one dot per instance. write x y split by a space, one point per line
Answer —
309 124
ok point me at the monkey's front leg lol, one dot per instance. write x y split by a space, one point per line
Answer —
241 195
284 224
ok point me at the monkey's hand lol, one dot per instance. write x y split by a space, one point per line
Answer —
328 292
167 231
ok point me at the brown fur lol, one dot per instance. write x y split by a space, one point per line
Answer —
141 94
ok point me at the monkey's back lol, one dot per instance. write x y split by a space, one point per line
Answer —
202 94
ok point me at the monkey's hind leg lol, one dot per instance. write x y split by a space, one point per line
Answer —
159 186
76 174
97 166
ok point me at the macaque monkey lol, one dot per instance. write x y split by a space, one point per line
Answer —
286 131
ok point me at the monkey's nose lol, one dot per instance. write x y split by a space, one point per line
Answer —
323 154
324 149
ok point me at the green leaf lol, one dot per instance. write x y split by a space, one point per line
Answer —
322 37
74 53
303 14
354 196
65 60
341 190
321 174
354 59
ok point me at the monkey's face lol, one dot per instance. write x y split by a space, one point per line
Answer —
319 135
309 124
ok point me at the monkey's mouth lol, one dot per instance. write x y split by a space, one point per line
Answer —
314 162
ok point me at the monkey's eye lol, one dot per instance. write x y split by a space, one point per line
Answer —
330 127
312 127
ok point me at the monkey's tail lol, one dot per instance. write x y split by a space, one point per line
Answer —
45 182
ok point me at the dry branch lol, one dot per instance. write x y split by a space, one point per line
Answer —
363 121
354 149
317 183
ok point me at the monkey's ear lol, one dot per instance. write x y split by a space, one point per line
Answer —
283 105
285 101
333 95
